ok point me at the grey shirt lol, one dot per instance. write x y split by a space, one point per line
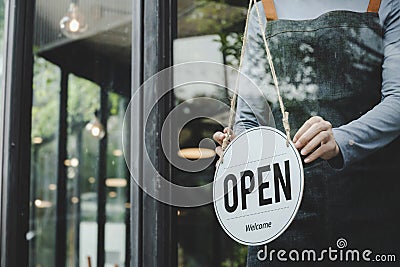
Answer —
311 9
378 127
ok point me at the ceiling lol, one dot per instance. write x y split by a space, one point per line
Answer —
105 49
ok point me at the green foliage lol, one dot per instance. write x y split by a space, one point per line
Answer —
231 46
238 259
45 109
83 101
2 10
114 103
209 17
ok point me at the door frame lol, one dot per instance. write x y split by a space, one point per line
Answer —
15 131
153 240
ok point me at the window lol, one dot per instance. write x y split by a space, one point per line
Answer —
79 192
206 31
69 200
2 11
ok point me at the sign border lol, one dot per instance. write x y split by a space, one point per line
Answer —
299 199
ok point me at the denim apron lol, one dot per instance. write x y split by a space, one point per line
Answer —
331 66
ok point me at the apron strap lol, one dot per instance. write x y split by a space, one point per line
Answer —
269 9
374 6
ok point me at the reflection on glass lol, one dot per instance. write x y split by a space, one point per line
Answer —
207 31
1 38
117 186
41 235
96 128
73 24
93 71
82 149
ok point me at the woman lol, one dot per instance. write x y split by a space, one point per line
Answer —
339 71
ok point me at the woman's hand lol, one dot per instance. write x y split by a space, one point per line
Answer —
219 138
315 140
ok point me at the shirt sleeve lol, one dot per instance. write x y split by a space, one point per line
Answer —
381 125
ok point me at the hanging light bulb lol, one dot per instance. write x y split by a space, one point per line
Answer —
96 128
73 24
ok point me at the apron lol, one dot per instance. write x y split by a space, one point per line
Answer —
331 66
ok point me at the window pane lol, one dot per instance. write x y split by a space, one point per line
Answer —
2 92
89 43
44 154
1 38
117 183
207 31
82 171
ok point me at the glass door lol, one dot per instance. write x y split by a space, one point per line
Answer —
206 31
79 192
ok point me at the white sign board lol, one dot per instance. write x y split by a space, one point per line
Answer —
259 186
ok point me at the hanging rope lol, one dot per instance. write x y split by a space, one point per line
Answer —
235 94
285 115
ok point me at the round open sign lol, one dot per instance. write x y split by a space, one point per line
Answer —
259 186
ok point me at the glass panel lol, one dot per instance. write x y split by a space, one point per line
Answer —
207 31
45 119
2 11
117 182
90 40
82 171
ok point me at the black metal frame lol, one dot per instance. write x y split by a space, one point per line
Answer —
77 208
61 208
101 190
152 239
15 131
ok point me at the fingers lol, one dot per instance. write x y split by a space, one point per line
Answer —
217 163
312 131
326 151
227 130
219 151
305 127
320 138
315 155
315 139
219 137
